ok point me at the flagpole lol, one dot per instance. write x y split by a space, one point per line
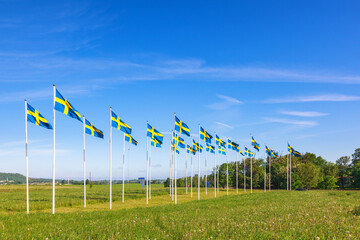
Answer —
237 191
186 173
227 173
215 170
191 178
123 175
245 174
84 164
218 172
199 167
172 172
170 183
175 175
290 173
205 171
251 183
265 173
270 175
53 170
150 170
147 170
110 162
27 161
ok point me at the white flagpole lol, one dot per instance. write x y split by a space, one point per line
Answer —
205 171
150 170
215 170
218 172
270 175
172 171
84 164
27 161
287 172
245 174
170 183
290 173
110 162
123 175
175 175
237 175
199 167
53 170
191 178
251 185
186 173
265 174
227 174
147 170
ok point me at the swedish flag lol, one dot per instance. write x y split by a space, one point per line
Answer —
296 153
204 135
274 154
173 147
248 152
197 146
210 148
222 151
238 149
232 145
178 140
155 143
63 105
120 125
219 142
267 150
191 150
92 130
255 144
130 139
34 116
181 127
153 133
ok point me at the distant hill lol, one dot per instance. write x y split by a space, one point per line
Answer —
17 178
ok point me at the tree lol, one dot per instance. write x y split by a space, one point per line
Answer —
309 174
356 157
344 168
329 182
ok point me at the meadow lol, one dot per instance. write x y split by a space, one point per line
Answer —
271 215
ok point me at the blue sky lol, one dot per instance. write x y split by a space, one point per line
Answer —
283 71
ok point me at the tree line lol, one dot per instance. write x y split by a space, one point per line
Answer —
308 171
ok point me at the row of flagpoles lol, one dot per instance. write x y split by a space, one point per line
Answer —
155 139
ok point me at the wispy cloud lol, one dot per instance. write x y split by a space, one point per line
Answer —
292 122
225 103
223 125
304 114
316 98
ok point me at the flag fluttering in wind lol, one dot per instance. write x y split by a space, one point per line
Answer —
173 147
155 142
222 151
239 151
220 142
178 140
267 150
92 130
197 147
204 135
181 127
35 117
274 154
248 152
116 122
210 148
255 144
130 139
293 152
232 145
154 134
63 105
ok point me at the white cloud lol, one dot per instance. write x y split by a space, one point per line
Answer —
304 114
316 98
223 125
292 122
225 103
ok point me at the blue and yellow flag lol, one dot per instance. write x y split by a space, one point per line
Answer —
198 147
204 135
181 127
130 139
63 105
219 142
178 140
232 145
92 130
267 150
173 147
290 148
222 151
153 133
210 148
238 149
120 125
248 152
255 144
189 149
296 153
274 154
155 143
34 116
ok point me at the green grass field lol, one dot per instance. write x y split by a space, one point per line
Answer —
274 215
